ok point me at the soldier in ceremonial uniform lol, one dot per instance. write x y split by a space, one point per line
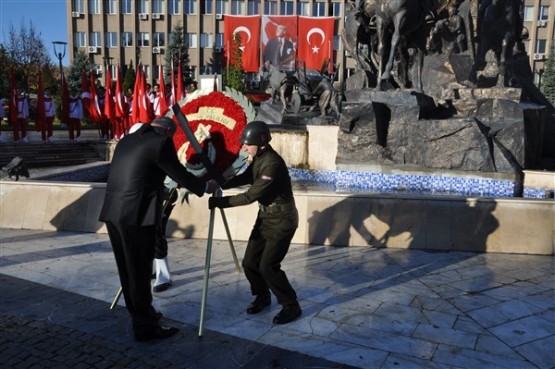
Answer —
275 225
50 113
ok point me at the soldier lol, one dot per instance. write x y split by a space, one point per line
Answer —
74 117
50 113
275 225
22 105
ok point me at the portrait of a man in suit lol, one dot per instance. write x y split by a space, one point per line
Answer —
280 51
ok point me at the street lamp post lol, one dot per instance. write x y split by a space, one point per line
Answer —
60 51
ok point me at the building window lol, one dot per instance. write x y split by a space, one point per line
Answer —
79 6
126 39
158 39
111 6
94 6
302 8
336 9
540 46
143 39
190 6
206 40
146 69
221 7
95 39
237 7
126 7
270 7
252 7
543 14
80 39
219 40
111 39
528 15
158 6
191 40
319 9
287 8
173 7
143 6
208 7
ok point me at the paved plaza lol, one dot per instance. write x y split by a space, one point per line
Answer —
362 308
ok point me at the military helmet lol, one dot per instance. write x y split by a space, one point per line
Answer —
256 133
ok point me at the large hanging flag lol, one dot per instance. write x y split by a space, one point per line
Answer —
109 103
41 113
315 43
248 27
279 41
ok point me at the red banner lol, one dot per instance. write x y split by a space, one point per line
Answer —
248 27
94 106
121 105
315 44
162 97
279 41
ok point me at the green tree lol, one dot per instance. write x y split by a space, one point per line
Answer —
129 79
547 86
177 48
28 54
233 73
81 62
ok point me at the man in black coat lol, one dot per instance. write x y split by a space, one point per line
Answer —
132 211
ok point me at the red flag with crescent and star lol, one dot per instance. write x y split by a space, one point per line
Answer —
248 27
315 43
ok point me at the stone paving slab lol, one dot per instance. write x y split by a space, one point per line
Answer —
362 307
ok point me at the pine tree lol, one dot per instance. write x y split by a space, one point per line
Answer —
81 62
233 73
177 48
547 79
129 80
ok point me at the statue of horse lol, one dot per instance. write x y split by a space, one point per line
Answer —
282 84
402 28
499 28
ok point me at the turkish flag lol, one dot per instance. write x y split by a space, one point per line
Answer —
13 100
315 44
145 113
94 107
121 105
179 92
248 27
109 103
163 98
41 113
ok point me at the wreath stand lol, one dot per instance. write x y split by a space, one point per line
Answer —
206 266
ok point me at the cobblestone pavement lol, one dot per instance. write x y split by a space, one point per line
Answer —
42 327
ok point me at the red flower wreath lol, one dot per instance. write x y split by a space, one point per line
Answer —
217 121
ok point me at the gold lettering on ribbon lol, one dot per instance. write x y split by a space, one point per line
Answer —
214 114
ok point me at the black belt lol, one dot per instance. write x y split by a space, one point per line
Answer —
276 208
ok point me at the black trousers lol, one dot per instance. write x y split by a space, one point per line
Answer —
267 246
133 248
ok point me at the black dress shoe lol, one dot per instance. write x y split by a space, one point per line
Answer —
162 287
288 314
158 333
259 304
